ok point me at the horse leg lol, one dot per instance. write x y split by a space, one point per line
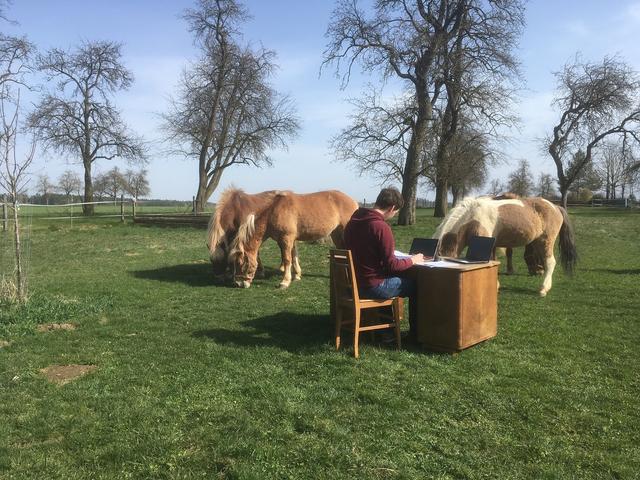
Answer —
281 267
337 236
549 266
286 247
297 271
509 254
260 268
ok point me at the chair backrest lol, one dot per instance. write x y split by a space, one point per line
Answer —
345 285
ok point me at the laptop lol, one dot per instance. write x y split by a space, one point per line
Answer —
480 250
425 246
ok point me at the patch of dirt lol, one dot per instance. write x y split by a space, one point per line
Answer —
48 327
62 374
132 254
4 343
103 320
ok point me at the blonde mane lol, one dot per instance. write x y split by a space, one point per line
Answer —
458 216
215 232
245 232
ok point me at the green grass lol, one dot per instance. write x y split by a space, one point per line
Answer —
199 380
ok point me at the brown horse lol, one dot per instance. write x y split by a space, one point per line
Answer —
535 263
532 222
290 217
231 210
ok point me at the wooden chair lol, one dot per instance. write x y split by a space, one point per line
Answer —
348 307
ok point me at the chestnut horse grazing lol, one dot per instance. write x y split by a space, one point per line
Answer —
231 210
290 217
531 222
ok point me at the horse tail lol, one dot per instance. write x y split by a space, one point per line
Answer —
568 252
245 232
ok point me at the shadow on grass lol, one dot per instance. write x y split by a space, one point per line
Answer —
617 271
293 332
193 274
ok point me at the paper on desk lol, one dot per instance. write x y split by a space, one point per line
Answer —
442 263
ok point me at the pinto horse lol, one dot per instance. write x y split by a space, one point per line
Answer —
515 222
290 217
231 210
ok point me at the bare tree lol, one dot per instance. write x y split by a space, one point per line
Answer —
226 113
111 183
79 117
469 170
69 183
495 187
586 180
545 186
521 180
44 187
596 101
377 139
137 183
14 176
614 169
428 44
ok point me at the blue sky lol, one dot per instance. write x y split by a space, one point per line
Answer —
157 46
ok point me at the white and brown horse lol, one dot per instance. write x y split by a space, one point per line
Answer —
232 209
290 217
515 222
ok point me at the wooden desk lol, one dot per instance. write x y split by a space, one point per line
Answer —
457 306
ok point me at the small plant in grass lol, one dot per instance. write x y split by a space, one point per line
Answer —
8 290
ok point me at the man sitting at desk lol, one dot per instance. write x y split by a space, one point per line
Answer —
372 246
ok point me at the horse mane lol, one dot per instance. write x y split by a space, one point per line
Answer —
245 232
215 232
459 215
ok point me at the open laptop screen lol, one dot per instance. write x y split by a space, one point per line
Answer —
480 249
425 246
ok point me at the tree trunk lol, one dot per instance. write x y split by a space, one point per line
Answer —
440 207
206 187
412 167
20 280
87 209
564 192
456 194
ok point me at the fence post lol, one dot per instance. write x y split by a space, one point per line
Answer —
122 208
5 219
134 208
193 205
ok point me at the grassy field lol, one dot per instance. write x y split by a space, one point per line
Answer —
195 379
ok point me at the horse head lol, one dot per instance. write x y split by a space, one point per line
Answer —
448 246
243 257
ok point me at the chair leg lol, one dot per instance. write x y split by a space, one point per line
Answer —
356 332
338 327
397 317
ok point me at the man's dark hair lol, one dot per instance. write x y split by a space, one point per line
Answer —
389 197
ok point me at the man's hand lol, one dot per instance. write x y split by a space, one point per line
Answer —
417 258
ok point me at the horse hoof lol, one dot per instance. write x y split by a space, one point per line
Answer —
296 278
283 285
543 293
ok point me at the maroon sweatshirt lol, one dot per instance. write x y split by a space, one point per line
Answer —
371 242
